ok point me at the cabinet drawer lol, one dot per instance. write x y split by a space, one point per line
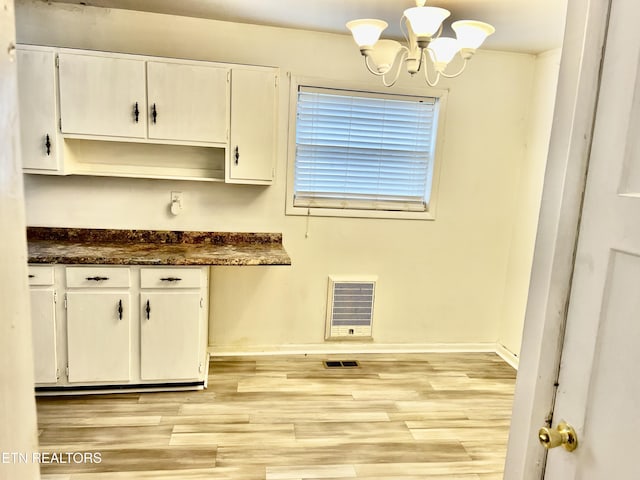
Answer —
170 277
100 277
40 275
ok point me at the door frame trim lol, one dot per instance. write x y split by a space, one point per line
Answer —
561 207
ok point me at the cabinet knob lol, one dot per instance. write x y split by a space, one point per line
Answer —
47 144
154 113
136 112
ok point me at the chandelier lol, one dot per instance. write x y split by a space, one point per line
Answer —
423 28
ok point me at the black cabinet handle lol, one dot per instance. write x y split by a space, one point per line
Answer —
136 112
97 278
32 276
47 144
148 310
237 154
119 309
171 279
154 113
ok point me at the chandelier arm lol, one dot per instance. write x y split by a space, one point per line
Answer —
403 53
421 61
452 75
375 72
428 80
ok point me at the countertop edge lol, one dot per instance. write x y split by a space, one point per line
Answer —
150 247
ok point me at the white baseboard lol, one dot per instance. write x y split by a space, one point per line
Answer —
329 348
507 355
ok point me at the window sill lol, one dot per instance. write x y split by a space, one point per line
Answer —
356 213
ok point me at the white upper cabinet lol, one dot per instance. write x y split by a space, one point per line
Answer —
105 96
187 102
38 117
102 96
198 120
252 144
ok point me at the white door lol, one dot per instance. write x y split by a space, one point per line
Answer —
170 336
102 96
187 102
98 336
253 119
599 386
37 100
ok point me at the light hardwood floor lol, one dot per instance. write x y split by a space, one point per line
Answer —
396 417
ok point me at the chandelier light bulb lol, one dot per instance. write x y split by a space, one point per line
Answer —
425 22
471 34
384 54
443 50
366 32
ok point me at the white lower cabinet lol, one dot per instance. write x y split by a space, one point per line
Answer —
43 328
99 336
124 327
172 308
169 331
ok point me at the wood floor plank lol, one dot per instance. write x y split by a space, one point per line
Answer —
357 432
231 434
322 452
315 471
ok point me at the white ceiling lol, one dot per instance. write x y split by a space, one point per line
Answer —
530 26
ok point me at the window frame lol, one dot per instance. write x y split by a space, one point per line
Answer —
428 214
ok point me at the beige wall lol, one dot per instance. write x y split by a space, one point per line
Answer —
440 282
547 67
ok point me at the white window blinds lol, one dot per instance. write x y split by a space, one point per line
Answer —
363 150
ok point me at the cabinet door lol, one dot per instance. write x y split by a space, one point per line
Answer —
253 119
170 336
43 328
38 119
187 102
98 336
101 95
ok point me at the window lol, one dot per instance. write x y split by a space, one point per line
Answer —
358 151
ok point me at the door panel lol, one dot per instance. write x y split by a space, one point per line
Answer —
98 337
190 102
170 336
252 126
599 391
43 336
613 394
38 119
98 96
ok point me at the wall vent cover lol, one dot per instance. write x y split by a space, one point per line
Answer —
350 307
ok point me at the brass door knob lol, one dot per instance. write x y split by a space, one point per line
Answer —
563 434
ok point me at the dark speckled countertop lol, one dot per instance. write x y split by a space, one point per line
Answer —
153 247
